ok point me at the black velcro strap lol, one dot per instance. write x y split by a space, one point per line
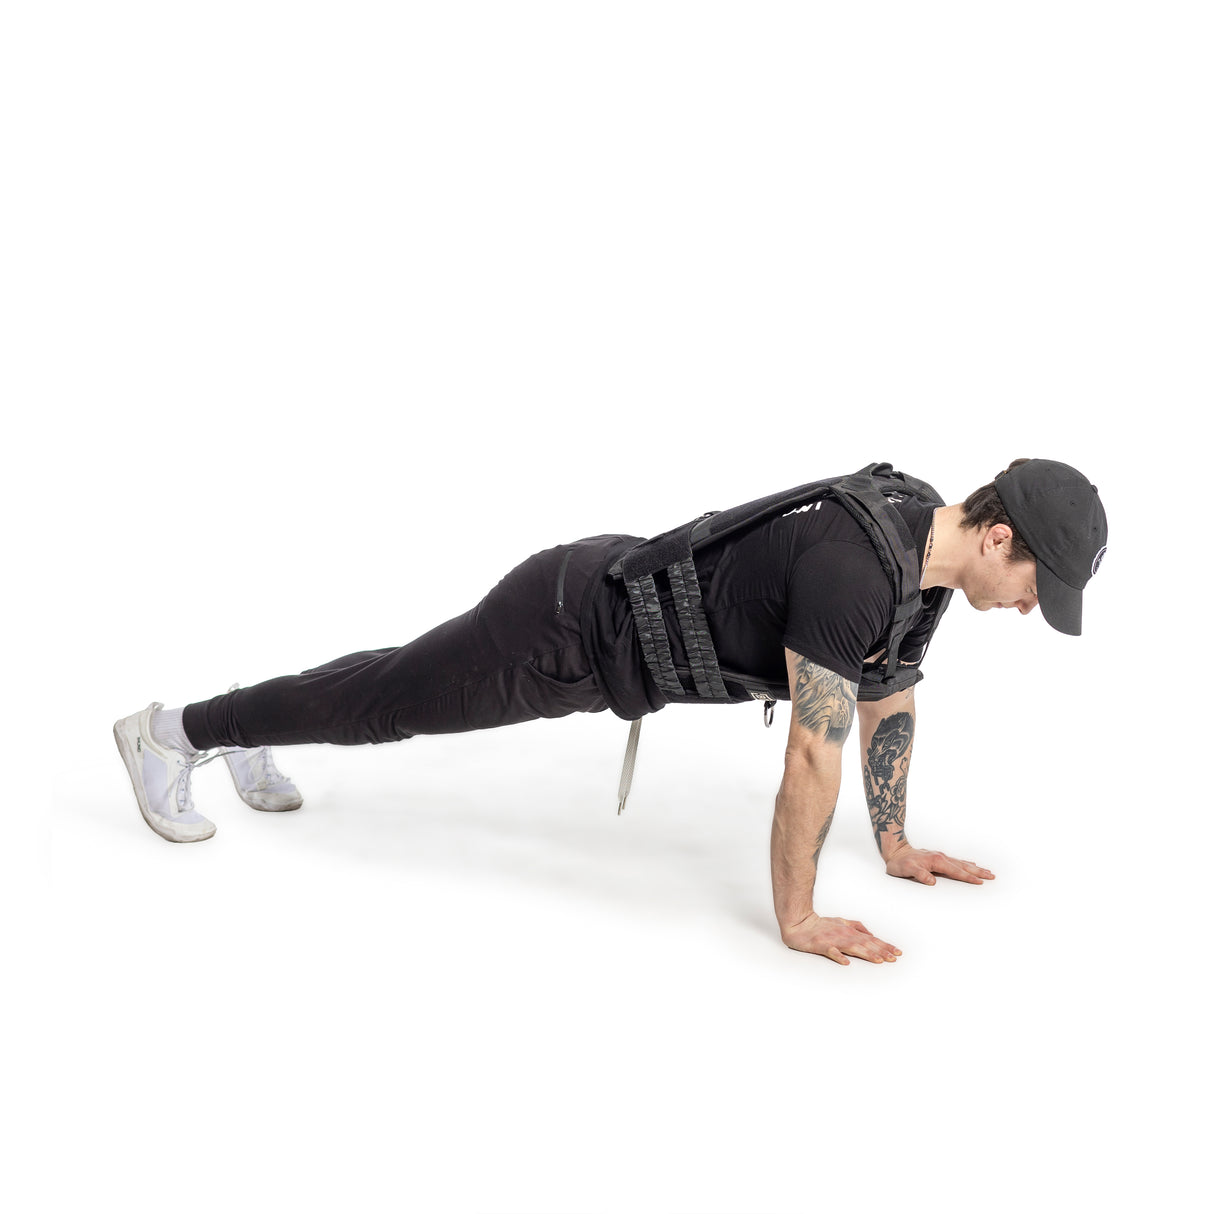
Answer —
658 553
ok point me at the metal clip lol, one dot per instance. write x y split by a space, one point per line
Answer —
630 759
769 713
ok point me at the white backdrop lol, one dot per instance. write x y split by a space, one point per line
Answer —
318 318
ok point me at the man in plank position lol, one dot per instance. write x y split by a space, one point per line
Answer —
826 595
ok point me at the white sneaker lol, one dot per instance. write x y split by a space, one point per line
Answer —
258 782
160 777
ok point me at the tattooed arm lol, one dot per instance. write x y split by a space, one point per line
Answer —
887 736
823 707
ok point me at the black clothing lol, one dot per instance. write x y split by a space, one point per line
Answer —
514 657
557 635
810 581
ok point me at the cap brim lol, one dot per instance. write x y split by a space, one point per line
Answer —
1062 605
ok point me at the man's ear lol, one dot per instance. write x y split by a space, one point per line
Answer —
997 539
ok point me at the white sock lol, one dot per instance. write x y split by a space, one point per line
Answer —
168 730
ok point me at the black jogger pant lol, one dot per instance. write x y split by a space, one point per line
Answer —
516 656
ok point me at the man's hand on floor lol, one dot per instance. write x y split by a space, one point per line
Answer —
918 865
838 939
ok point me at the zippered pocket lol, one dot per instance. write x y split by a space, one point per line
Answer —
560 583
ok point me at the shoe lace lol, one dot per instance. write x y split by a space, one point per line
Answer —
182 793
261 765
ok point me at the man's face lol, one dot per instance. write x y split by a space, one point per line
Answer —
999 582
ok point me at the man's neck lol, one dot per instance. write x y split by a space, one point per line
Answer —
948 546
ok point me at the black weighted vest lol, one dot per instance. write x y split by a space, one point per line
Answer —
671 556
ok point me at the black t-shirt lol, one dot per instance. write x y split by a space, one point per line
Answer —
810 581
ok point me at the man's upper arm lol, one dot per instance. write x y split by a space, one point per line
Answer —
875 709
823 706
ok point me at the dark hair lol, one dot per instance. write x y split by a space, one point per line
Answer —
983 509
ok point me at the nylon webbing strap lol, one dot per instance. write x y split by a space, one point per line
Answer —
651 632
693 624
878 518
891 536
903 614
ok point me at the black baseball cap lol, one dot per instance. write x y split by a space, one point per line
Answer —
1058 513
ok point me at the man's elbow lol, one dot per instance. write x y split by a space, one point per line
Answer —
815 758
869 712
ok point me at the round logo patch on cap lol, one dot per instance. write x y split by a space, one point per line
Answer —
1099 558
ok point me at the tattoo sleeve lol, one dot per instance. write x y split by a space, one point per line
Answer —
885 770
823 702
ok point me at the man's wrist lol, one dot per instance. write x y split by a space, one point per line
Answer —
790 926
891 844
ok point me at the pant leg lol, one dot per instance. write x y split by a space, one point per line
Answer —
514 657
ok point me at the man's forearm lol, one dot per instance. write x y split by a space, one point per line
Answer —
805 806
823 707
887 735
886 743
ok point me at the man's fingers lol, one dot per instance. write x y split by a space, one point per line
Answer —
984 873
869 949
840 939
874 950
921 865
977 870
960 870
957 873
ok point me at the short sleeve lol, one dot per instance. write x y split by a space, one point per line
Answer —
839 606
